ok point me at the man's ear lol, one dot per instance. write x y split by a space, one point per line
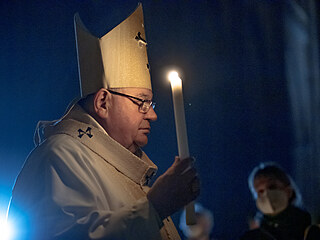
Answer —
101 103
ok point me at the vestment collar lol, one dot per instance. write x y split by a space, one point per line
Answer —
85 129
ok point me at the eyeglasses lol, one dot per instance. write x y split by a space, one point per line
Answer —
144 106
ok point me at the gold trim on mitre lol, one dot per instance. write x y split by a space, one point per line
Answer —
116 60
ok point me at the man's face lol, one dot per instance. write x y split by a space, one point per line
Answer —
125 123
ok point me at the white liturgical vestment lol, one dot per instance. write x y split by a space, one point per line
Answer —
79 183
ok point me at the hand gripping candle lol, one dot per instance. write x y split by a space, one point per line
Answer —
181 131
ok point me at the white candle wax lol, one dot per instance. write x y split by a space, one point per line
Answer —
179 116
181 131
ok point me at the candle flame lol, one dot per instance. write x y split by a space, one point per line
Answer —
174 79
173 75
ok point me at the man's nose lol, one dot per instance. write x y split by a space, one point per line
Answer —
151 115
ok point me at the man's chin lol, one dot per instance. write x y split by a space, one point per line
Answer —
141 142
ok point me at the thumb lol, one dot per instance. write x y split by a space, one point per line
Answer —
176 160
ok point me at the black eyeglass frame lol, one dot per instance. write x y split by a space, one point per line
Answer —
143 107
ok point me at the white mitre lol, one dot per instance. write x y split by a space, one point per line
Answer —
116 60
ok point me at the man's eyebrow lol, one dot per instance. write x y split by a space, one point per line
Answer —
144 96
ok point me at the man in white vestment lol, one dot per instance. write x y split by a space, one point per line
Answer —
87 177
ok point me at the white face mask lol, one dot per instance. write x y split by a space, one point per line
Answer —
272 201
195 231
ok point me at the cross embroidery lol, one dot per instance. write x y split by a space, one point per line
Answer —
87 132
140 40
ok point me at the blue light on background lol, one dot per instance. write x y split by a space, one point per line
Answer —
6 228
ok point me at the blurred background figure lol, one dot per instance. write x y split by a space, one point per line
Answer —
202 229
253 221
281 215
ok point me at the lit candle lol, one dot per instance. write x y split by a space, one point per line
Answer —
181 131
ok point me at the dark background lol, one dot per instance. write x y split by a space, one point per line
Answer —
233 59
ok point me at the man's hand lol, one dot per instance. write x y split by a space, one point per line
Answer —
174 189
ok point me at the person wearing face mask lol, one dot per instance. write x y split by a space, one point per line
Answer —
281 215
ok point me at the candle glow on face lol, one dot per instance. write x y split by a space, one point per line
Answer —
175 80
